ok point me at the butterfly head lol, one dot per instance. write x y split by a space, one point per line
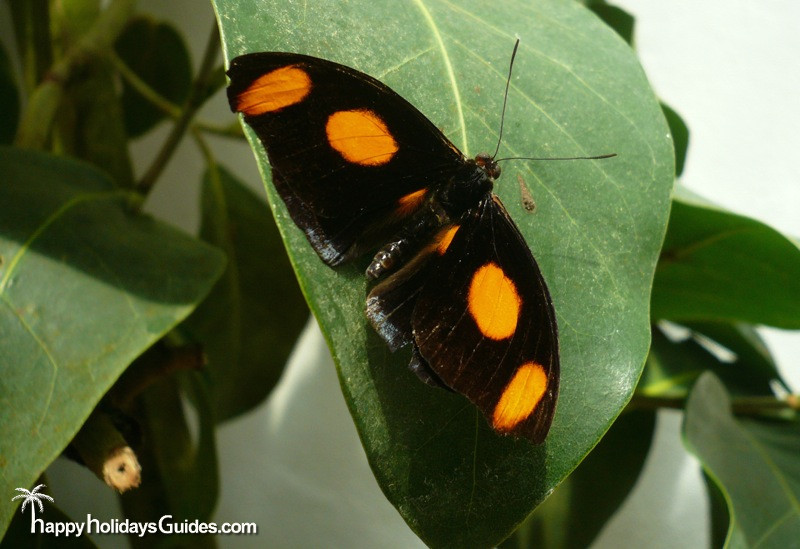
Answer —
488 164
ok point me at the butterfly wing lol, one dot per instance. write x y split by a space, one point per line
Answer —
484 322
350 158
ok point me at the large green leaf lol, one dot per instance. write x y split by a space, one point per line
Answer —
246 332
85 286
753 463
577 90
717 265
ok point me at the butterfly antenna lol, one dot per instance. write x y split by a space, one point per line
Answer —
598 157
505 98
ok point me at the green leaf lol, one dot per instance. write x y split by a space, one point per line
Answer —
616 18
720 266
673 366
594 491
247 332
577 90
753 463
85 286
156 52
680 137
9 98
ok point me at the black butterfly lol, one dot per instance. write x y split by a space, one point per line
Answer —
359 168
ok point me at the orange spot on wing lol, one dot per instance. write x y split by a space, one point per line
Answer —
361 137
520 396
274 91
411 201
494 302
446 238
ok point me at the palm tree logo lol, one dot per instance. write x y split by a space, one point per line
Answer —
32 496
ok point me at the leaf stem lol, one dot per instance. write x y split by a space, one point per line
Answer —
190 107
233 130
746 406
168 107
31 19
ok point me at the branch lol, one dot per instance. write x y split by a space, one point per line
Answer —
743 406
106 453
193 102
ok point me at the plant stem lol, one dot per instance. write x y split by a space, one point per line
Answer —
747 406
166 106
233 130
31 20
193 102
46 98
106 453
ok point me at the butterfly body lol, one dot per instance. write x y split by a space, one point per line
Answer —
448 203
361 169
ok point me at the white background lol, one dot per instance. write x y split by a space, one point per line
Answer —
730 68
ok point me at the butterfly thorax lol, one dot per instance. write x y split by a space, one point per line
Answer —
468 186
446 206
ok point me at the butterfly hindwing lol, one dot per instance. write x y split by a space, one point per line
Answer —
350 157
485 323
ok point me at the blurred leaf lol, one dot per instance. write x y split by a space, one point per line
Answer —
250 321
85 287
596 234
720 266
673 366
718 509
753 463
90 122
89 118
216 81
616 18
9 98
594 491
180 476
70 20
156 52
680 137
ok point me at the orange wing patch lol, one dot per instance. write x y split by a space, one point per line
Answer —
520 397
411 201
274 91
361 137
446 239
494 302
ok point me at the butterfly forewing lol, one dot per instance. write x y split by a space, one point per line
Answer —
350 158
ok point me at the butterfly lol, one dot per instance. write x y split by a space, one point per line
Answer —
361 169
